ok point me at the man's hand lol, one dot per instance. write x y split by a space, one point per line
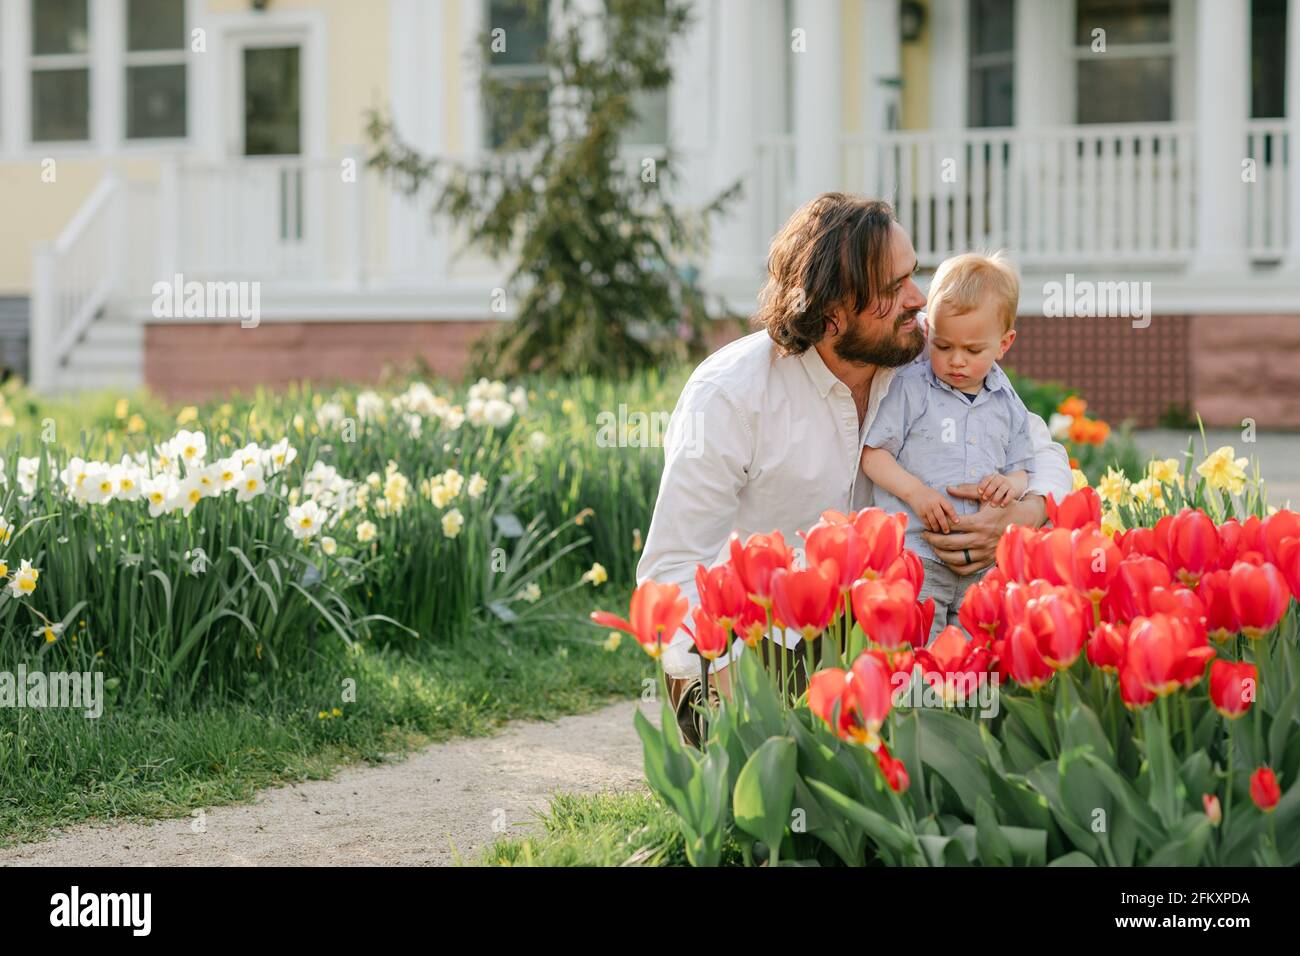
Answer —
978 534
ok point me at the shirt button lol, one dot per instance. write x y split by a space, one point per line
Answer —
972 439
973 472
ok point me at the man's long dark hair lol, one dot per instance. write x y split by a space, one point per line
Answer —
834 251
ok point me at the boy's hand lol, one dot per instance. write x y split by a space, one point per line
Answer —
934 508
1001 490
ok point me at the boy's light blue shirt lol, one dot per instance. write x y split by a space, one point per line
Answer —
943 438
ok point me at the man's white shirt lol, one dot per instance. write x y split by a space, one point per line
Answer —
762 442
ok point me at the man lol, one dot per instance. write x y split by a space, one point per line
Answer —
768 431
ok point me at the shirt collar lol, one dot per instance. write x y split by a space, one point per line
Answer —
822 377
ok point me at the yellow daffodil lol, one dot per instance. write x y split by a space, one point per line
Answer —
1222 470
187 414
1113 487
597 575
1080 479
611 643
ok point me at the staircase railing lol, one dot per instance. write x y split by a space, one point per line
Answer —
74 279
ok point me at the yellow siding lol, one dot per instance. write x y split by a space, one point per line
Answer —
916 79
851 66
357 68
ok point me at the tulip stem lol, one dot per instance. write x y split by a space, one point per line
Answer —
704 701
1227 804
1187 725
1052 750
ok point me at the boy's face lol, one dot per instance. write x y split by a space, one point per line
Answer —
964 347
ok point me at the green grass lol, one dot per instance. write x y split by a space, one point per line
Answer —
626 829
59 768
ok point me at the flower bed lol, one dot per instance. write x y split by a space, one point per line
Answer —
1117 697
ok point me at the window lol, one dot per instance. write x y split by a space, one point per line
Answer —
650 128
1268 59
1132 80
272 101
992 63
60 70
519 65
155 69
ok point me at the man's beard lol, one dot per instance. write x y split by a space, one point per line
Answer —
855 345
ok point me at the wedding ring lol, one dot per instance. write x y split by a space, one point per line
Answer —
966 551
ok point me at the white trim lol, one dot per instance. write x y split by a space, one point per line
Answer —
949 53
472 21
235 32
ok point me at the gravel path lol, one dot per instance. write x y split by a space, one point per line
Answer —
448 799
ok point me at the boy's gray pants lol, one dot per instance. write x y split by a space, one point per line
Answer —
947 587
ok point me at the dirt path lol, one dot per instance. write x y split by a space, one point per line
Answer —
449 798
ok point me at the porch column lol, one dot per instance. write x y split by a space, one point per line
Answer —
817 108
1222 57
882 67
1293 130
1043 32
734 250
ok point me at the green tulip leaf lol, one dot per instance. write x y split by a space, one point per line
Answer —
765 792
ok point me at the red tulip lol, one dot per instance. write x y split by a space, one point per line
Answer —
1220 619
840 543
1137 577
894 772
953 665
1259 595
1275 529
710 636
907 567
1288 562
756 560
751 626
1056 619
721 593
981 609
1013 552
1106 646
883 534
1264 789
1051 557
1075 510
888 613
656 612
1137 541
807 600
1182 603
1131 690
1096 562
1021 659
1189 543
1162 654
1232 687
853 703
1213 810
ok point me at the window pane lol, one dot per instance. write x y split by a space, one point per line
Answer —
523 103
1125 90
155 101
155 25
59 26
523 26
1125 21
271 103
1268 58
60 105
991 96
992 26
650 128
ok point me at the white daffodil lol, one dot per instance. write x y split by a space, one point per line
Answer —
279 456
188 494
305 520
454 481
73 475
159 492
23 583
370 407
477 485
227 472
251 484
28 470
6 531
329 415
98 486
366 532
328 545
190 447
497 413
452 522
538 441
519 399
1059 425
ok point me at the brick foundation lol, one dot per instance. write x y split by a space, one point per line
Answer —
1225 367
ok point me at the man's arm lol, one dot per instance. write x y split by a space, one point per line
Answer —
707 451
977 535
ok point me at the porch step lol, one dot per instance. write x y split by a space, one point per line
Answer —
109 355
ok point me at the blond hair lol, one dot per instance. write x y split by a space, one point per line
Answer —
964 282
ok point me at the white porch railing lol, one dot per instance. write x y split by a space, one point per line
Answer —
1266 212
75 276
1076 195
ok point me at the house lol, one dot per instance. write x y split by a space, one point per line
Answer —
1136 157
